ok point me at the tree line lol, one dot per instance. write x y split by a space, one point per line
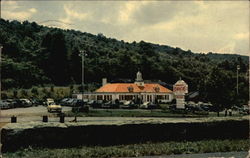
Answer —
36 55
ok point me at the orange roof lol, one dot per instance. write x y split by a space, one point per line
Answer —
124 88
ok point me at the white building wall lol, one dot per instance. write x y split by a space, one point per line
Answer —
145 97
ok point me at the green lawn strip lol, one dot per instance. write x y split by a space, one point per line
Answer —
141 113
147 149
131 113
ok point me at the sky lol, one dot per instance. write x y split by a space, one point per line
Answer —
199 26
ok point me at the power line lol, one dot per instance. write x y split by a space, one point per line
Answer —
54 21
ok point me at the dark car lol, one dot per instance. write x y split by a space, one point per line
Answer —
70 102
80 106
110 105
25 102
36 102
152 106
11 103
193 108
95 103
244 110
4 105
63 102
205 107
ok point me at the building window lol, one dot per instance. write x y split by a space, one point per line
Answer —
99 97
128 97
167 97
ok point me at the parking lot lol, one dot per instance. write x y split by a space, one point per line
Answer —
29 111
29 114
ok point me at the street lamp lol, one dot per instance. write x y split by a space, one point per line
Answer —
238 68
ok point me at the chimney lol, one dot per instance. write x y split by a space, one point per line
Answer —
104 81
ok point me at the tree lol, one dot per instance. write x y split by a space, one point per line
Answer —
15 93
220 88
24 93
55 57
75 65
34 91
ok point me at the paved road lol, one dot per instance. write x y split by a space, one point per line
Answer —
205 155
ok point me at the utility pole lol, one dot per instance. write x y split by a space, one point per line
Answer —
238 68
1 47
82 55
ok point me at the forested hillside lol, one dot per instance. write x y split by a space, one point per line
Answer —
38 55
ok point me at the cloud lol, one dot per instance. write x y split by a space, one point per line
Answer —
70 12
229 48
164 11
128 9
241 36
32 10
11 10
10 4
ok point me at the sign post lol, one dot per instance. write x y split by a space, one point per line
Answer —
180 89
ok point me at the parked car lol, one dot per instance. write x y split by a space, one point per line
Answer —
80 106
128 105
110 105
77 102
69 102
11 102
192 107
4 105
48 101
236 108
25 102
19 103
149 105
144 105
244 110
207 106
63 102
37 102
95 103
53 107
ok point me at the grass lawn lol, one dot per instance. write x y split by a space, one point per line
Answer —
129 113
142 113
149 149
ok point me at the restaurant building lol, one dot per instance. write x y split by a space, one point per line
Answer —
137 91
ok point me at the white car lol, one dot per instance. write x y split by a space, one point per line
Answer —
49 101
144 105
